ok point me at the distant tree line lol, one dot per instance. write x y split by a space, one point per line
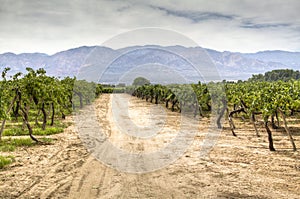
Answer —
276 75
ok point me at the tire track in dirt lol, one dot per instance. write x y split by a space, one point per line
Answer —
235 168
45 171
122 181
60 174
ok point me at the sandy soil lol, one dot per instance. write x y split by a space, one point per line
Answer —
237 167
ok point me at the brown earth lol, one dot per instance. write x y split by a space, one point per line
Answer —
237 167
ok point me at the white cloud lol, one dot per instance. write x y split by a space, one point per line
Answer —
235 25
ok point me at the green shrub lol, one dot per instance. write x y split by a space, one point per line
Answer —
11 144
48 131
7 148
20 142
7 145
4 161
46 140
14 132
36 131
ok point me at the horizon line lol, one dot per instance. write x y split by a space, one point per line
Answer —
93 46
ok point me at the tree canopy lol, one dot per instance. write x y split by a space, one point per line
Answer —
275 75
140 81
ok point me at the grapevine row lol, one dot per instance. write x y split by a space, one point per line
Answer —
268 99
34 96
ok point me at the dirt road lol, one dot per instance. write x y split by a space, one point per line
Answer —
237 167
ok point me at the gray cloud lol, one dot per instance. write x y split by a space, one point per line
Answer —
195 16
235 25
264 25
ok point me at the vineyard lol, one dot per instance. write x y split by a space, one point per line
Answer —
34 104
34 111
265 100
35 98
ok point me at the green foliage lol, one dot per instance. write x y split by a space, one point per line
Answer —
140 81
108 90
276 75
48 131
20 142
265 97
11 144
7 148
35 96
99 89
85 91
4 161
14 132
111 89
261 97
46 140
175 97
119 90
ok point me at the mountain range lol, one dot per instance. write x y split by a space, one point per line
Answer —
165 63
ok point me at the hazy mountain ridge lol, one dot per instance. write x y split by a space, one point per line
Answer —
291 59
231 65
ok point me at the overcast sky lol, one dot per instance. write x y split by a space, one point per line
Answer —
235 25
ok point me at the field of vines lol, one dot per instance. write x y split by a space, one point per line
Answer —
43 155
32 102
271 102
